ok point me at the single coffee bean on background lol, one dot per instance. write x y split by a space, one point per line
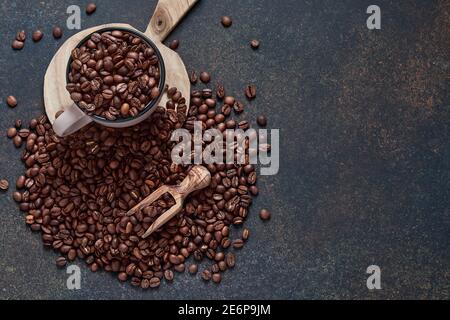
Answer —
193 78
250 91
37 35
174 44
21 36
226 21
57 32
61 262
245 234
193 268
18 123
4 184
220 91
11 101
254 44
238 243
264 214
216 277
11 133
206 275
261 121
205 77
17 45
90 8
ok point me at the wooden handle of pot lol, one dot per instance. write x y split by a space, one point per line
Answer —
197 178
166 16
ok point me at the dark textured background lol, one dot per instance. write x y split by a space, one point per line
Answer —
364 121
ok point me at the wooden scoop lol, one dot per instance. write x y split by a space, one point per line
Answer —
197 178
166 16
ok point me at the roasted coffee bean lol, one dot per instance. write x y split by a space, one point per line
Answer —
122 276
206 275
168 275
226 21
11 133
17 45
20 183
264 214
155 282
11 101
250 91
254 44
57 32
230 259
205 77
238 243
261 120
90 8
220 91
216 277
18 124
193 77
21 36
245 234
193 268
37 35
17 140
238 107
174 44
4 184
61 262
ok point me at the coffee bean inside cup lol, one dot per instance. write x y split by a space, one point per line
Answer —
114 74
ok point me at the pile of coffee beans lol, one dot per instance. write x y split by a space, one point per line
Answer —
77 190
114 74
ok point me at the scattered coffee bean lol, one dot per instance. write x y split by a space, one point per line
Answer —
206 275
17 45
238 243
21 36
205 77
4 184
261 120
168 275
61 262
57 32
122 276
193 77
193 268
220 91
216 277
226 21
230 260
17 141
238 107
11 101
254 44
264 214
11 133
245 234
37 35
18 124
250 91
90 8
174 44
